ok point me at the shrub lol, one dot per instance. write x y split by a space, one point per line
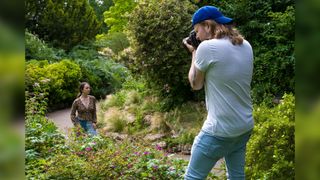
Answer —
104 75
42 139
102 158
63 23
270 151
63 80
133 97
116 121
155 39
116 41
117 100
36 48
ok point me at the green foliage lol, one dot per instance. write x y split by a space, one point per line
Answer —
35 48
42 139
275 62
274 46
100 157
136 101
186 120
104 75
132 91
63 23
62 77
307 137
117 16
271 149
155 31
117 41
117 100
100 6
117 123
126 57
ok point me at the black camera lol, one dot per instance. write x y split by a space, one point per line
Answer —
192 40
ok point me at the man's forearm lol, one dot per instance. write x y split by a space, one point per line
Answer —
192 72
195 76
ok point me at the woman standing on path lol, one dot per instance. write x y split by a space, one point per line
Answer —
85 106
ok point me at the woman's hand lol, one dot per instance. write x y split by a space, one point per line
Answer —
94 125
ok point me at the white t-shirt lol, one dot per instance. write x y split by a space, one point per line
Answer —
228 73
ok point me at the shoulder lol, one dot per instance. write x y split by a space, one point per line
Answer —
92 97
213 43
76 100
208 47
205 43
246 43
204 46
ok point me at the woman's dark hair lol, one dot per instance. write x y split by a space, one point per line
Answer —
81 88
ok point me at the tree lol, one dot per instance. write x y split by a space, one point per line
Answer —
155 31
100 6
117 16
64 23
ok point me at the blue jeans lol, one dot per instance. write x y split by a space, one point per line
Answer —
88 127
207 150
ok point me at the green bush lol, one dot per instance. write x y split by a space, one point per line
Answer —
117 122
104 75
274 60
102 158
42 139
35 48
62 77
63 23
155 31
270 151
117 41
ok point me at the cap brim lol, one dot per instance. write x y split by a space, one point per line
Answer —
223 20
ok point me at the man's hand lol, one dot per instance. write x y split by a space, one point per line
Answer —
189 46
94 125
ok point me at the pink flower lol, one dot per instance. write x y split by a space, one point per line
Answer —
159 148
88 148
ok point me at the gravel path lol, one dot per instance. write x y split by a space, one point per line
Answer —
61 119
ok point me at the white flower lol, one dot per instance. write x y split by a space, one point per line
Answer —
36 85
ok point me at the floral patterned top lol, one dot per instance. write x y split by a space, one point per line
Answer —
84 113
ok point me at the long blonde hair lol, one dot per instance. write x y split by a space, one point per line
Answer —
224 30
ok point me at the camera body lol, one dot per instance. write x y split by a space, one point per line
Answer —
192 39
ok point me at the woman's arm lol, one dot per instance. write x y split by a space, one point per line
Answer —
73 112
94 111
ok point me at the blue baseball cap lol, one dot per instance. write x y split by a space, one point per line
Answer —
209 12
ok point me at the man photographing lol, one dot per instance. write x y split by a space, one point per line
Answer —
223 64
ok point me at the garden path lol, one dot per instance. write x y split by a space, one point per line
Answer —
61 119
